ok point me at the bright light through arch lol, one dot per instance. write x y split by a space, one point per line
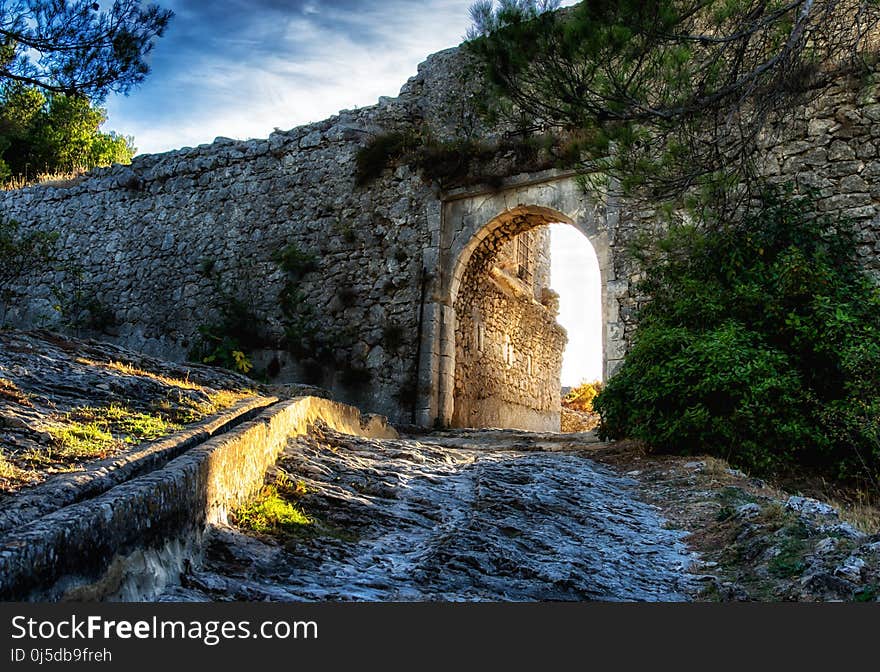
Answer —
574 275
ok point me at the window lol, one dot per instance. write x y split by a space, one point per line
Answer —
523 257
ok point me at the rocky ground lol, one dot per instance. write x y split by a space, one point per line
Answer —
458 516
756 541
503 515
465 515
66 402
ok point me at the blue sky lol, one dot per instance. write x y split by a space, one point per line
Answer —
241 68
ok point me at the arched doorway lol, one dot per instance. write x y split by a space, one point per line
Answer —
471 228
508 344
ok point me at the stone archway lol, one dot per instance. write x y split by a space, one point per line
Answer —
472 227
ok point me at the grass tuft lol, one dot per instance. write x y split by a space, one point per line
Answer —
271 513
132 370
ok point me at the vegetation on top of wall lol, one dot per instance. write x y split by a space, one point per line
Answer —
671 93
466 161
46 135
761 345
381 152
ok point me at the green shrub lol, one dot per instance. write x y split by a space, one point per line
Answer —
294 261
381 152
761 345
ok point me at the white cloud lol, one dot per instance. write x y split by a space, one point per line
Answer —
280 68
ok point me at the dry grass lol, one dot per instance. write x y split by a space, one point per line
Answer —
48 179
716 468
857 502
864 515
132 370
11 475
10 392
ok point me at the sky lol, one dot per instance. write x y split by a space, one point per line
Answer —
242 68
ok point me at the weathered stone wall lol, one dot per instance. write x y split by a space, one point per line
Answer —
122 544
508 345
151 241
164 244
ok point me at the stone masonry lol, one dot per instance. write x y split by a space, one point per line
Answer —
164 244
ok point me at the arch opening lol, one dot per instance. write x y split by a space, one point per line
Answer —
508 343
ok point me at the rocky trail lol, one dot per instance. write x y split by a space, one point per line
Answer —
460 516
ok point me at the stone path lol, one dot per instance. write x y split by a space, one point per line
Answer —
463 516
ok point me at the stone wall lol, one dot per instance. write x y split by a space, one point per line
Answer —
158 249
509 348
164 243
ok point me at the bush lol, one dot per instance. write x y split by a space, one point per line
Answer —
381 152
761 345
581 397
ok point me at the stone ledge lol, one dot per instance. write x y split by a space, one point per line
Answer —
68 553
99 477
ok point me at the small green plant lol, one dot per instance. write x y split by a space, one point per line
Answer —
347 296
21 252
95 431
272 513
868 593
393 336
80 440
227 342
294 261
219 348
207 266
78 306
790 561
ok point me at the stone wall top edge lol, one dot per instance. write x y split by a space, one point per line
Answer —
369 118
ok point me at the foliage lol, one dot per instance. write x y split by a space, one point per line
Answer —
379 153
54 133
272 513
20 252
393 336
78 306
218 347
463 161
94 432
227 341
75 47
761 345
294 261
581 397
668 94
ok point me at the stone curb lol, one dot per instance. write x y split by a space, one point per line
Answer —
70 553
98 477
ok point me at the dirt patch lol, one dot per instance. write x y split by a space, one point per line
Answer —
758 542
